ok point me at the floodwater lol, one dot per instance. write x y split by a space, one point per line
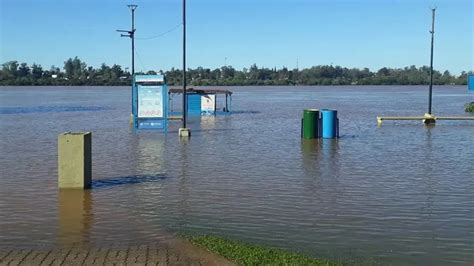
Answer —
399 194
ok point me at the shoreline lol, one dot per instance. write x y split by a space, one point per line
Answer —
179 250
245 86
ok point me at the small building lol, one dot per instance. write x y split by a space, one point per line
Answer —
203 101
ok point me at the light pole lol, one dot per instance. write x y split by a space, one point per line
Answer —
131 35
431 62
184 131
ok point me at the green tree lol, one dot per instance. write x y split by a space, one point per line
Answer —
23 70
75 68
36 71
10 70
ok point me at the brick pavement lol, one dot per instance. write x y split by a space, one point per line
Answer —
176 252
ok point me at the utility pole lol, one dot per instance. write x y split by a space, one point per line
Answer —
431 62
185 109
131 35
184 132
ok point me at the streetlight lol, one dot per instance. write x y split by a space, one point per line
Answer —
131 35
184 131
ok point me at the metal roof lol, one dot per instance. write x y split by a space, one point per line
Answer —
200 91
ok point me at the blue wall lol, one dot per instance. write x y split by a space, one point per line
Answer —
194 104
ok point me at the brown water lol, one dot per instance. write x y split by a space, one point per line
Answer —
399 194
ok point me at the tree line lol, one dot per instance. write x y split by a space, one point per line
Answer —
76 72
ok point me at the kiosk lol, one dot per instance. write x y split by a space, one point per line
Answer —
204 101
150 102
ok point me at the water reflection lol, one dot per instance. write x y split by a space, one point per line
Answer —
320 161
320 156
75 216
208 122
330 148
310 151
150 151
330 168
183 188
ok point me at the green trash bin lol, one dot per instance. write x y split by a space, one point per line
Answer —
310 124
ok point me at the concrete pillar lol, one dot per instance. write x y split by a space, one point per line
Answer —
184 132
429 119
74 160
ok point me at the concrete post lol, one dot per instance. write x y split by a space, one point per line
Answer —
184 132
74 160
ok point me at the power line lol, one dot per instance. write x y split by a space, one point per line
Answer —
161 34
140 60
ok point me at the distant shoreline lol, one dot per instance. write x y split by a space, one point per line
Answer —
76 72
191 86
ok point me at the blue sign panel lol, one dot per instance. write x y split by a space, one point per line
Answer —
150 102
151 124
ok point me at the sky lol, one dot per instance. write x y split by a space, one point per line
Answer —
269 33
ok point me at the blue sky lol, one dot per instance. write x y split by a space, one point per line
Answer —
270 33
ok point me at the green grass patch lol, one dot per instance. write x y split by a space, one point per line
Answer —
246 254
469 107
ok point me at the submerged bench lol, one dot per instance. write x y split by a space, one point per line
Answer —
427 118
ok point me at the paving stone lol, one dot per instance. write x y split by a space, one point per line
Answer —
151 254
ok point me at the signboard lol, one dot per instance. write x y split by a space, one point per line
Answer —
208 103
150 101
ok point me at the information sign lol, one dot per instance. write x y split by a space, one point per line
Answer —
150 101
208 103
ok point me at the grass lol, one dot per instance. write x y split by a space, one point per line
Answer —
469 107
246 254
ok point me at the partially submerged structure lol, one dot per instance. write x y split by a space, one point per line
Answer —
149 102
203 101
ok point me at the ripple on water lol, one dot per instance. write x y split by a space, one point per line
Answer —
401 193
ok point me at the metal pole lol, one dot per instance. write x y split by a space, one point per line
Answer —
185 109
133 37
226 103
431 62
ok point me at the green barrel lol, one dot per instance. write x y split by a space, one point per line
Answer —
310 124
